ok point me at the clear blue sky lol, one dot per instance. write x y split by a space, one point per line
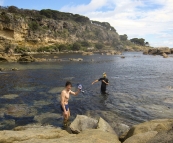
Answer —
148 19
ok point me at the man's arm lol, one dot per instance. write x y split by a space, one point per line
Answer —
75 93
95 81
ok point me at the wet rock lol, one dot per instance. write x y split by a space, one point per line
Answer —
14 69
2 69
82 122
122 57
20 113
9 96
7 124
26 58
76 60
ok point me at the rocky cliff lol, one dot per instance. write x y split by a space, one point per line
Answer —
31 29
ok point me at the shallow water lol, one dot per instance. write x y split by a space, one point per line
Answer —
140 89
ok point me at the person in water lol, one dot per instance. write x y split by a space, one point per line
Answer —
104 83
65 95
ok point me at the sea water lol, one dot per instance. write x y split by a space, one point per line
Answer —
140 89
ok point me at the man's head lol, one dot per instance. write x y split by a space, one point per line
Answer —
104 74
68 85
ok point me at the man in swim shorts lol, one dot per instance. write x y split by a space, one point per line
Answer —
104 83
65 95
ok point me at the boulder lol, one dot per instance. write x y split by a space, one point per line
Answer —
171 50
153 125
25 57
145 52
162 137
104 126
162 50
152 51
82 122
141 138
76 60
165 55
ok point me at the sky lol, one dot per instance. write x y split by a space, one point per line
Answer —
148 19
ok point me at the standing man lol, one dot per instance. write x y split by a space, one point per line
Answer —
65 95
104 83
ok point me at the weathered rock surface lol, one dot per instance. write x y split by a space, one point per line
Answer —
153 125
49 134
104 126
163 137
158 51
34 132
82 123
141 138
26 58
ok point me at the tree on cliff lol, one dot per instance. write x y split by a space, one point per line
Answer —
123 37
137 41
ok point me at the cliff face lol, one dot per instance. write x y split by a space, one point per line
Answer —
36 29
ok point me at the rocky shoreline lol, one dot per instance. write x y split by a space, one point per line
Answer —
29 56
163 51
86 129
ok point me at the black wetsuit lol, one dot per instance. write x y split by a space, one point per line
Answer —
103 85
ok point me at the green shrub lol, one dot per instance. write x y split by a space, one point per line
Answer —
76 46
33 25
99 45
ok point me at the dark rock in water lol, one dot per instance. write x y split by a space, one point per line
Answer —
26 59
7 124
20 113
20 120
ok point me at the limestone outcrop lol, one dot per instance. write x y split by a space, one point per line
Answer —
158 51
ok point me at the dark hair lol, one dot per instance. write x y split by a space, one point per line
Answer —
68 83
